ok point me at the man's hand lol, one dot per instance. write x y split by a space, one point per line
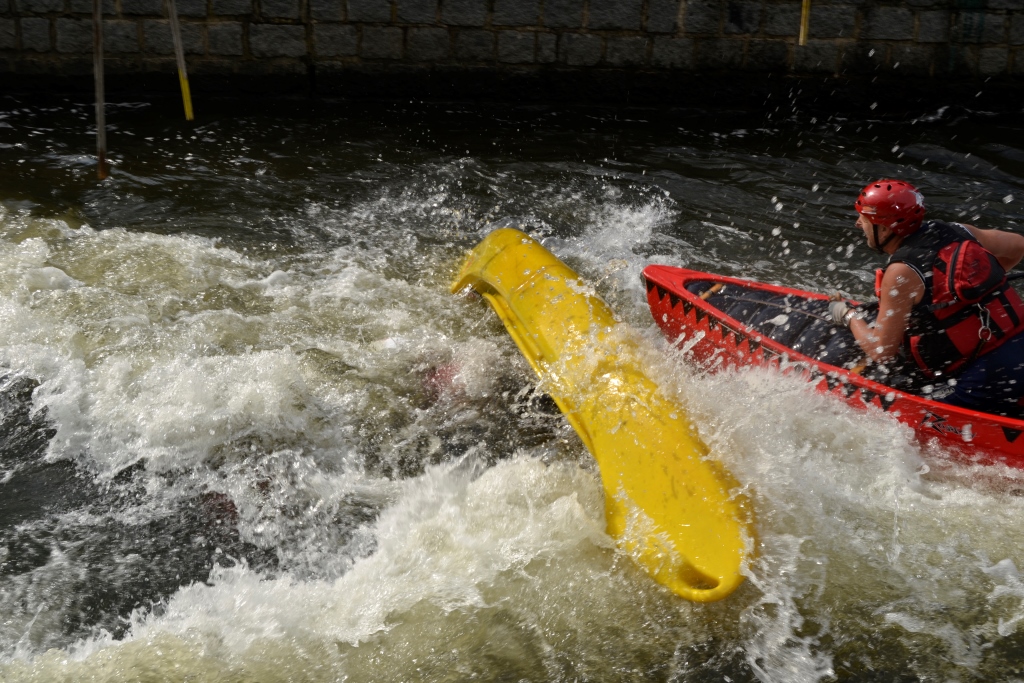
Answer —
841 313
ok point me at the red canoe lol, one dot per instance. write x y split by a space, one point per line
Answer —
732 322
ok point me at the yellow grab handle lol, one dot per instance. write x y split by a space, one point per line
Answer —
672 507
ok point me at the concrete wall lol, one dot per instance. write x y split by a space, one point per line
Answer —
972 39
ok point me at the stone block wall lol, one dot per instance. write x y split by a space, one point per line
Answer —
934 38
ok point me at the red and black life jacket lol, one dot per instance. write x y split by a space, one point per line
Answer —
968 308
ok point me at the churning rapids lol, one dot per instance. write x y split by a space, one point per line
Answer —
246 434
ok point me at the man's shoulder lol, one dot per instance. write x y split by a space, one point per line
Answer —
897 269
899 274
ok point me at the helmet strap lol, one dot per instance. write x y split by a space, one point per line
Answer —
880 246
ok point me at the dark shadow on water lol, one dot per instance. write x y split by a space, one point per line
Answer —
68 536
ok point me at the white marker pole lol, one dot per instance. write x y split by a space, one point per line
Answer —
97 69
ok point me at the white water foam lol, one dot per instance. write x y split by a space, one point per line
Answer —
295 355
460 538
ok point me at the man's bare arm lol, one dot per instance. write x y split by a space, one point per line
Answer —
901 289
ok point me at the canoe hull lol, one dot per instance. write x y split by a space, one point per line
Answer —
673 508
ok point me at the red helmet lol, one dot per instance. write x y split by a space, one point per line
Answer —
894 204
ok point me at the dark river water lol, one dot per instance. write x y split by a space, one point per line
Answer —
246 433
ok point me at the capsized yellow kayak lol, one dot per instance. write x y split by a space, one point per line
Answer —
672 507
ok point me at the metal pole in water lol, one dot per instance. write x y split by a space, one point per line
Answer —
97 69
179 55
805 19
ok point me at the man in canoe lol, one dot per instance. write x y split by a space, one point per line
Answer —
943 301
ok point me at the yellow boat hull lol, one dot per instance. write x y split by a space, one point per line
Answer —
675 510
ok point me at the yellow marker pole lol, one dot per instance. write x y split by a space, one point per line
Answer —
673 508
805 20
97 69
179 55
